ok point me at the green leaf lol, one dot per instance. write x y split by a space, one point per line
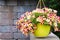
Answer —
34 21
45 22
38 14
58 25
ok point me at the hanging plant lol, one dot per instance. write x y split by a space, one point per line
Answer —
39 21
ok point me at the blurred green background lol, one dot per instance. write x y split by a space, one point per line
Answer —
54 4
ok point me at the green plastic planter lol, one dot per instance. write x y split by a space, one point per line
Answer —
42 30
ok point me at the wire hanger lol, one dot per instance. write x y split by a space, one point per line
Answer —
40 3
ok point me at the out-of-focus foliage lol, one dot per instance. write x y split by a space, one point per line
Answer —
54 4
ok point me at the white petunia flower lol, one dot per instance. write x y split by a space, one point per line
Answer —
55 23
28 17
48 20
50 10
37 19
33 16
55 11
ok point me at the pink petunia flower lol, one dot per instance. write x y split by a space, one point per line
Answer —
38 10
51 16
58 19
40 19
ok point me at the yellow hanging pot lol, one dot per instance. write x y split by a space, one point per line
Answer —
42 30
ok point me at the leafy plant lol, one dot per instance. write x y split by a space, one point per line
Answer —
54 4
